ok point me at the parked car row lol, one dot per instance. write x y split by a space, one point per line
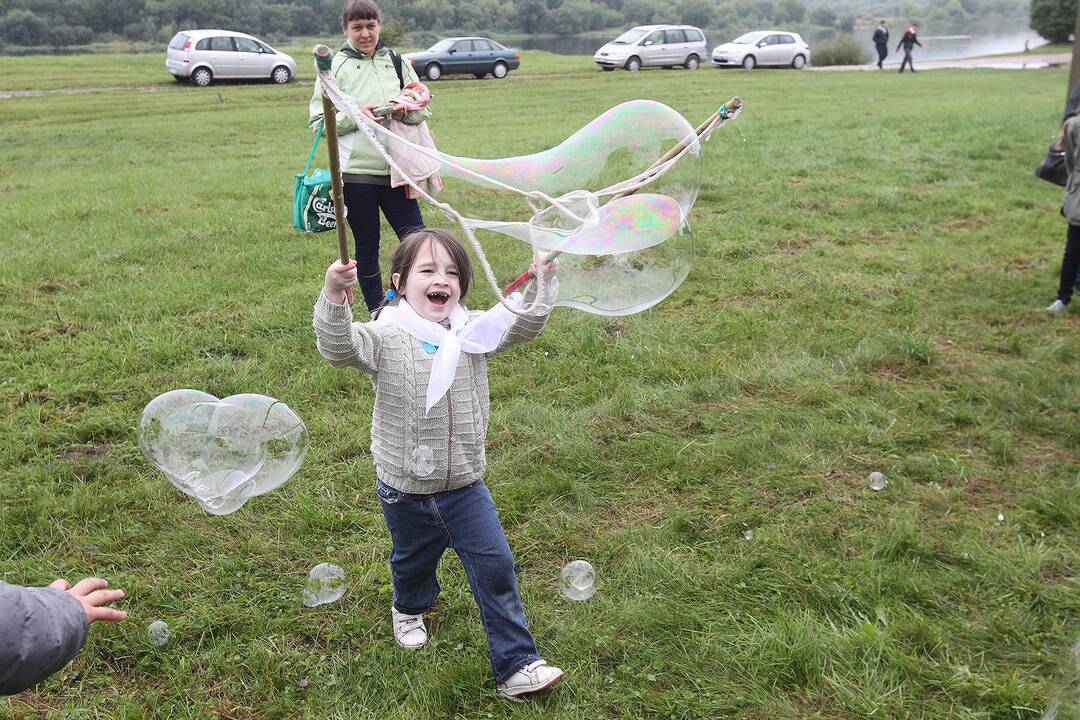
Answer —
671 45
201 56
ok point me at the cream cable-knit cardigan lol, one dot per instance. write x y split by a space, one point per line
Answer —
414 453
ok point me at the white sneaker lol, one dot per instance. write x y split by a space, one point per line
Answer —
534 677
409 630
1056 307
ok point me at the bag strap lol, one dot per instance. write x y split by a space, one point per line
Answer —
314 146
397 68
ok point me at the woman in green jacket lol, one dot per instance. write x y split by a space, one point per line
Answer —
372 75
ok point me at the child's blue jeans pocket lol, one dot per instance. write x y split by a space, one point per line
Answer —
387 494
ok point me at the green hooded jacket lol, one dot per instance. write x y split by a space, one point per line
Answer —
369 80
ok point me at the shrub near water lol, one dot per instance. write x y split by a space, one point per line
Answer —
843 50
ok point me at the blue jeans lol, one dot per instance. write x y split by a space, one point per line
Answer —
422 527
364 202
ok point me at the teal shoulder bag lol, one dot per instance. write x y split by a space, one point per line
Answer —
313 204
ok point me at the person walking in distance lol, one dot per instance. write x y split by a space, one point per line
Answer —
881 43
908 41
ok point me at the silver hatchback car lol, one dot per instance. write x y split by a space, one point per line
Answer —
202 56
657 45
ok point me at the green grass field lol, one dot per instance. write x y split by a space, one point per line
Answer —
874 257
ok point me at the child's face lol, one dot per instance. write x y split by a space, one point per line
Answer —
363 34
432 288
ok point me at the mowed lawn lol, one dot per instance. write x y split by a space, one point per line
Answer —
873 260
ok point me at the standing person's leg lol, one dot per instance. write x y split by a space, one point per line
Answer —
363 204
1070 263
402 213
882 53
419 541
477 537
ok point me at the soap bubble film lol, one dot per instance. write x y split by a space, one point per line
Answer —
578 580
325 584
222 452
158 632
423 459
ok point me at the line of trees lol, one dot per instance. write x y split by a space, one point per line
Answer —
62 23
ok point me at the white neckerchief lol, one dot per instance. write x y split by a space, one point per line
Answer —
480 335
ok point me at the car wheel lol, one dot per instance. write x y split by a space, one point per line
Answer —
799 62
692 63
499 70
749 62
433 71
281 75
202 77
633 64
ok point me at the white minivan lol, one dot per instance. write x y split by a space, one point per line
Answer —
660 45
205 55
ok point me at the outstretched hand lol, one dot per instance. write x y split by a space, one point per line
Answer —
549 268
94 596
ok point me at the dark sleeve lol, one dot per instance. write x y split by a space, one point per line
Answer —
41 630
916 40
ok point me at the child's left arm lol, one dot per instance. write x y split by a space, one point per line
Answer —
527 327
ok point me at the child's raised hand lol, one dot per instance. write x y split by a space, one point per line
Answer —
94 596
549 268
339 280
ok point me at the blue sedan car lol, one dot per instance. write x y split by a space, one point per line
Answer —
475 55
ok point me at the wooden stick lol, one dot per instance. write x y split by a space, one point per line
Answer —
733 104
323 56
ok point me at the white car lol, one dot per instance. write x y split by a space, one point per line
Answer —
202 56
763 47
662 45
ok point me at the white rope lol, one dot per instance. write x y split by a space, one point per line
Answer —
369 128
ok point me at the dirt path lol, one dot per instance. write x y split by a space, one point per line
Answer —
1003 62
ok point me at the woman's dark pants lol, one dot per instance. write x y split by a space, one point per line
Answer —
1070 264
364 202
882 53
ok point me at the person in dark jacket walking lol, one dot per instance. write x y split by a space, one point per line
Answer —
881 42
908 41
1069 141
42 629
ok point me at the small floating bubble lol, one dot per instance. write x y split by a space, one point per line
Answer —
159 633
578 580
877 481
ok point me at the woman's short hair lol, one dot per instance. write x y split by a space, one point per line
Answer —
359 10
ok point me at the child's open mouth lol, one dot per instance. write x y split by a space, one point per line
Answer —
438 298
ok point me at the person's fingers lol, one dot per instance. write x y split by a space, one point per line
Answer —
107 614
59 584
88 585
102 597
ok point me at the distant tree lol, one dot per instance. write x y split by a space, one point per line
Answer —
697 12
791 11
823 16
22 27
643 12
582 15
532 15
846 23
1053 19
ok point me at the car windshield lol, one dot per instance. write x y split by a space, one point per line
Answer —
748 38
441 46
178 41
630 36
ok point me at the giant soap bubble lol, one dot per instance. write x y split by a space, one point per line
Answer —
613 199
222 452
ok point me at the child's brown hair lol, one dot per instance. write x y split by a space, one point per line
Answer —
359 10
404 258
